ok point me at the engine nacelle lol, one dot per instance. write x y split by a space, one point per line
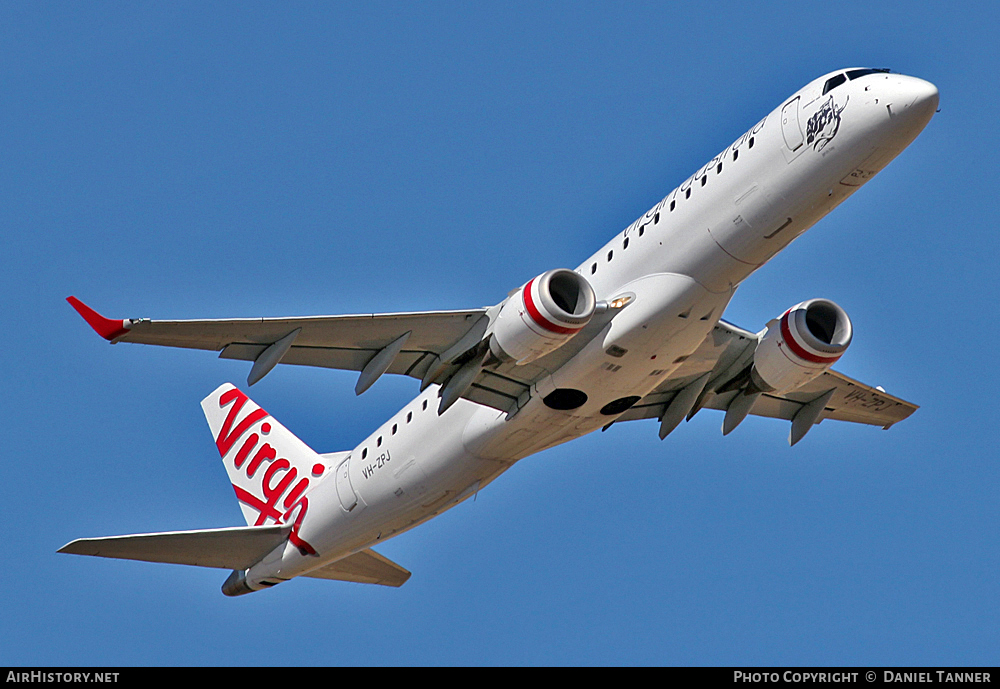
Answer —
800 345
542 315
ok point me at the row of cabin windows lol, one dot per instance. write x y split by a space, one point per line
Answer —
395 427
704 177
673 204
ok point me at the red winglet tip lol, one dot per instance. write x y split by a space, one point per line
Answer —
107 328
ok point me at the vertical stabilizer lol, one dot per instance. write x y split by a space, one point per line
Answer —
271 470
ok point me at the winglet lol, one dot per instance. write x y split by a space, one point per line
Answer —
107 328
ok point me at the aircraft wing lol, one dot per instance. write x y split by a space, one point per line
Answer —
728 352
342 342
851 401
434 346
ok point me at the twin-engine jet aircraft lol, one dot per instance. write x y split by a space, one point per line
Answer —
634 332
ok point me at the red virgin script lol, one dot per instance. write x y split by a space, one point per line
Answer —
277 480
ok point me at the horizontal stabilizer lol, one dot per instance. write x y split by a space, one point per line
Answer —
230 548
365 567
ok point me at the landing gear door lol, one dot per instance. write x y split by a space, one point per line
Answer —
345 491
790 128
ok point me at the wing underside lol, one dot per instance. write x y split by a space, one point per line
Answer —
340 342
851 401
430 346
349 343
433 346
726 355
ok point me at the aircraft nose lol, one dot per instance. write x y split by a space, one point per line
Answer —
915 101
923 95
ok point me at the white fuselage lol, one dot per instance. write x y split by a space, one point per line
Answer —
680 262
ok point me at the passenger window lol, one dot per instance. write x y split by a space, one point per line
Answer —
593 269
751 142
736 154
672 204
394 429
610 255
833 82
656 220
704 178
378 443
425 405
625 244
409 416
364 453
687 194
641 230
718 170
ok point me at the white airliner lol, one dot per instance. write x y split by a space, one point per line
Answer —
633 333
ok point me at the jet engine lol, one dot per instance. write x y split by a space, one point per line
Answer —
542 316
800 345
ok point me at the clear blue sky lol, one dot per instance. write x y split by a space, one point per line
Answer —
185 160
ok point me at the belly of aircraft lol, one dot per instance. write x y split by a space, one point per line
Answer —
670 316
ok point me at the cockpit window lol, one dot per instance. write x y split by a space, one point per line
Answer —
833 82
858 73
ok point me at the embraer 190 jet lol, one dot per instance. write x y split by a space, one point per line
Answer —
634 332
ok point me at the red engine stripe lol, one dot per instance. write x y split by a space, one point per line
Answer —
541 320
797 349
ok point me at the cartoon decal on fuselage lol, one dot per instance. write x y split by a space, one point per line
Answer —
824 124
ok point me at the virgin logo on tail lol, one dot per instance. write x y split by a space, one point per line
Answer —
268 487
